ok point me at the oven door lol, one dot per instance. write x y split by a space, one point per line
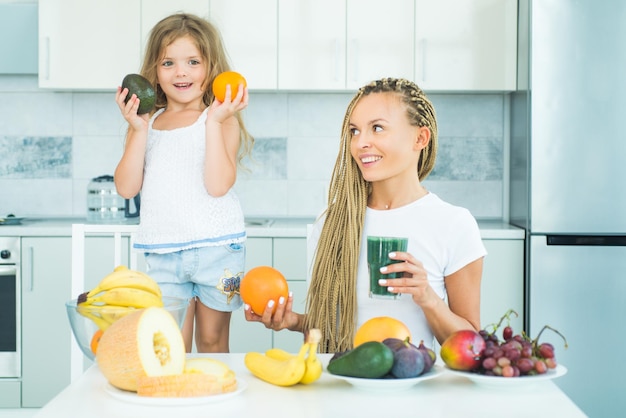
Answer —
10 341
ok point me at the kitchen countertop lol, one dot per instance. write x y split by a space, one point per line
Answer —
446 395
255 227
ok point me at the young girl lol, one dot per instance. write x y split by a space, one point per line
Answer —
183 158
388 146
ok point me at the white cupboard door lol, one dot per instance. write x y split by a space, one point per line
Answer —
152 11
466 44
250 33
311 45
87 44
380 40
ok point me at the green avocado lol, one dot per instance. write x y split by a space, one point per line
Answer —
370 360
139 85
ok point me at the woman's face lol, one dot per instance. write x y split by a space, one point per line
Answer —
384 144
181 72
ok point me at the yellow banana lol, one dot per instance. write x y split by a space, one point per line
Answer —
123 277
126 296
313 364
112 313
279 354
100 322
277 372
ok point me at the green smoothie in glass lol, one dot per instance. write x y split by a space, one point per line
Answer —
378 249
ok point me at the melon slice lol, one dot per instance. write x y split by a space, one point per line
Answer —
143 343
201 377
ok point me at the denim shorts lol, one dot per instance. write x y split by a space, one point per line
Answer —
211 274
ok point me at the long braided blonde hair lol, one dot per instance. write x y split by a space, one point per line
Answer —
331 299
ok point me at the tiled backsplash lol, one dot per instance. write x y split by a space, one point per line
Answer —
53 143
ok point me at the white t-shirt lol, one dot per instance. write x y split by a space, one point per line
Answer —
177 212
443 237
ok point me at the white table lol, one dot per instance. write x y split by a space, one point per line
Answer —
444 396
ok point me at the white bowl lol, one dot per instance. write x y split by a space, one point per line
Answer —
520 382
389 385
84 328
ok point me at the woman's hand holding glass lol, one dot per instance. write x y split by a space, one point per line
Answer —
414 280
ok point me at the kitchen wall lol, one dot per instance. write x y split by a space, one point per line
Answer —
52 144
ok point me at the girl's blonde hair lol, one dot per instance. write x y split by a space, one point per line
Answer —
208 40
331 299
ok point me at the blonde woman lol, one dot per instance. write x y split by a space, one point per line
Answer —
388 146
183 158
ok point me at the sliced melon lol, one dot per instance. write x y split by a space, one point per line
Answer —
143 343
202 377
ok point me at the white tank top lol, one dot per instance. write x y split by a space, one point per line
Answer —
176 211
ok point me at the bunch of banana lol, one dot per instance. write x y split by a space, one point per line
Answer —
118 294
281 368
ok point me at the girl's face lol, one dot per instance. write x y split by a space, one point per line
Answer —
182 72
384 144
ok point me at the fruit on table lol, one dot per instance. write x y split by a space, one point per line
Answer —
95 340
118 294
202 376
260 285
429 356
313 365
408 360
285 369
227 78
372 360
517 354
147 342
379 328
462 350
141 87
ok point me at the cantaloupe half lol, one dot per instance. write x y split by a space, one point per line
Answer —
143 343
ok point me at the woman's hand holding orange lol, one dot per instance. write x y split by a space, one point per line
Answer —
282 318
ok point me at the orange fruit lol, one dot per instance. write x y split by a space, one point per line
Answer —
379 329
260 285
224 79
95 340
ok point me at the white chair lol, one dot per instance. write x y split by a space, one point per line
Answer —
79 233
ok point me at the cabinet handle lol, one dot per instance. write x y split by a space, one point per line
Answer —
47 58
31 266
337 54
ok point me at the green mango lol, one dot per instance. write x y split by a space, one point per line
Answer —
139 85
370 360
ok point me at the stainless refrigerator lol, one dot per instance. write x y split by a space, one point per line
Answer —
568 189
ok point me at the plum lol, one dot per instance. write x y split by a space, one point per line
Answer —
408 360
429 356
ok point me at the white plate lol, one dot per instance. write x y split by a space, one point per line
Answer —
388 385
132 397
511 382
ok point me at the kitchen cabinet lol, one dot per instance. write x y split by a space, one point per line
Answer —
46 332
152 11
18 21
466 45
312 45
253 52
330 45
288 255
88 44
10 393
502 286
379 40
